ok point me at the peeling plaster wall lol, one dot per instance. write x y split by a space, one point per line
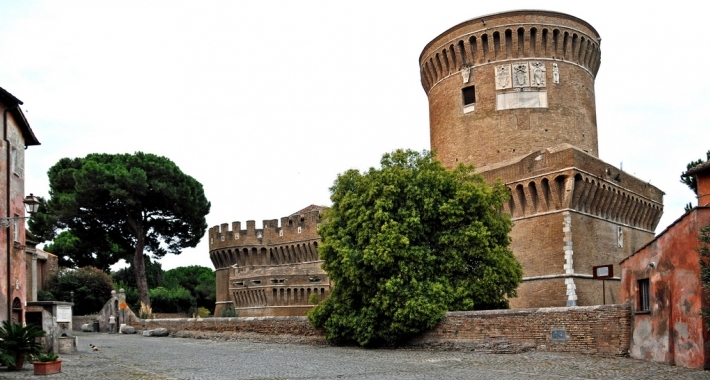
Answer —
672 331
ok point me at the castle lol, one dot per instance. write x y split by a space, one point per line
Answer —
273 271
513 94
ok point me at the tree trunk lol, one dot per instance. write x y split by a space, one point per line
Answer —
139 266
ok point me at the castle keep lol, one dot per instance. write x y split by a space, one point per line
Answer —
513 94
272 271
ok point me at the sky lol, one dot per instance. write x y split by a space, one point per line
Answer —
265 102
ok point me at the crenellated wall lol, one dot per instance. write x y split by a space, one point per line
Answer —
272 271
510 35
511 83
571 212
565 178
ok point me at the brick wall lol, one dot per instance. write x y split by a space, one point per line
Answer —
600 330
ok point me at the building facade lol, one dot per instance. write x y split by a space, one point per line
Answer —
662 282
272 271
17 136
39 267
513 94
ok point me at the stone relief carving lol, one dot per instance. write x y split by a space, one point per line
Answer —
521 75
466 73
555 73
539 73
503 79
620 237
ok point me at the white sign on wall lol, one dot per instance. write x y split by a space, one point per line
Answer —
63 313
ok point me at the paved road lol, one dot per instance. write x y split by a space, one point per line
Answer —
128 357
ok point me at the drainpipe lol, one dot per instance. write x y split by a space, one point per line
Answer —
7 205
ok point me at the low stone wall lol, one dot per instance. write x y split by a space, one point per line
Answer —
603 330
600 330
79 320
286 329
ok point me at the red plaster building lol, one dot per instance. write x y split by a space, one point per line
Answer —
17 135
662 283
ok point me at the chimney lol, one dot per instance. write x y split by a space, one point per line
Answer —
702 176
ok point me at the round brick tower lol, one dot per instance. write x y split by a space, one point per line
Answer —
511 83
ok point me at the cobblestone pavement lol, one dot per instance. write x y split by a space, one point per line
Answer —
136 357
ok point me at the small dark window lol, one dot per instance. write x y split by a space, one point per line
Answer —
469 95
644 295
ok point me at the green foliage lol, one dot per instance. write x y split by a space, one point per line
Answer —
48 357
229 312
198 280
45 295
314 299
74 252
121 203
407 242
19 341
91 286
175 300
127 275
691 182
203 312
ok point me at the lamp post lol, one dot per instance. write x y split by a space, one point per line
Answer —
31 206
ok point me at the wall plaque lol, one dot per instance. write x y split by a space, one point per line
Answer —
559 335
63 313
521 75
503 80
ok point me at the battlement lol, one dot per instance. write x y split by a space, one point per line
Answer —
301 225
511 35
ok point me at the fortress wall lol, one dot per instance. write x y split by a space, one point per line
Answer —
599 330
511 83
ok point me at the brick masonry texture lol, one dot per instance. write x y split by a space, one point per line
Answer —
486 135
513 94
601 330
272 271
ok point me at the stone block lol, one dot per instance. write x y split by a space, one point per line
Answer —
125 329
147 332
161 331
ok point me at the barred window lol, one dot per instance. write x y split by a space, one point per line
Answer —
644 295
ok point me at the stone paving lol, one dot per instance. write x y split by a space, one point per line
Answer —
128 357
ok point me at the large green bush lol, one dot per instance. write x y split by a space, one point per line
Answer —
175 300
91 287
407 242
198 280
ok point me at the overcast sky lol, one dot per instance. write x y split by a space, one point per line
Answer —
265 102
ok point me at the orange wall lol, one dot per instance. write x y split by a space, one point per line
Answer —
672 331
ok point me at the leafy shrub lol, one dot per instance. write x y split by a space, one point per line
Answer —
49 357
176 300
407 242
91 287
203 312
198 280
229 312
45 295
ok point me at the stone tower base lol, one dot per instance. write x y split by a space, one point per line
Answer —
571 212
